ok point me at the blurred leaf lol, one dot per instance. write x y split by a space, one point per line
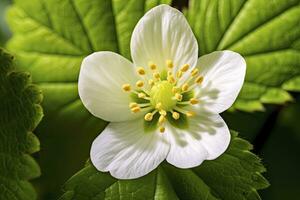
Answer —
20 114
281 155
266 33
4 32
234 175
50 39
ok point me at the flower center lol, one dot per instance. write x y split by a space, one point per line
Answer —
164 94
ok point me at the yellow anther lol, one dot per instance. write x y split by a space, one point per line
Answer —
185 87
170 73
141 95
161 119
169 64
158 106
126 87
175 89
141 71
151 82
152 65
199 79
163 112
194 72
190 113
139 83
179 74
133 104
135 109
162 129
148 117
175 115
178 97
194 101
171 79
156 75
185 67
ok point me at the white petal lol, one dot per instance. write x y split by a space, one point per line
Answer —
126 151
224 73
100 83
207 138
161 34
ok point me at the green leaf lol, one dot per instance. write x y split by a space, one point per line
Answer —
50 39
234 175
266 33
20 112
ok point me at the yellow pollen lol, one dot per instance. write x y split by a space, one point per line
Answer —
161 119
178 97
135 109
158 106
169 73
148 117
162 129
139 83
169 64
151 82
194 101
199 79
141 71
194 72
185 87
126 87
179 74
152 65
190 114
175 115
133 104
185 67
141 95
171 79
175 89
156 75
163 112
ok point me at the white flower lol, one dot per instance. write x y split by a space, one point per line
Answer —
164 105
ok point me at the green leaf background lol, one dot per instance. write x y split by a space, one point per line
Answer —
50 38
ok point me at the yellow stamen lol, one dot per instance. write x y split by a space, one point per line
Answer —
185 67
179 74
163 112
170 73
126 87
185 87
133 104
158 106
190 114
135 109
148 117
171 79
175 115
139 83
194 72
141 71
194 101
199 79
156 75
162 129
178 97
151 82
169 64
152 65
161 119
175 89
141 95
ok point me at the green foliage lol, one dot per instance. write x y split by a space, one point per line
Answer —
20 114
266 33
234 175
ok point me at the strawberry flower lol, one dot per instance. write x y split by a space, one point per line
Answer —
165 104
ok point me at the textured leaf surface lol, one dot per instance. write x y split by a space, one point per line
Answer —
51 37
266 33
20 113
234 175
